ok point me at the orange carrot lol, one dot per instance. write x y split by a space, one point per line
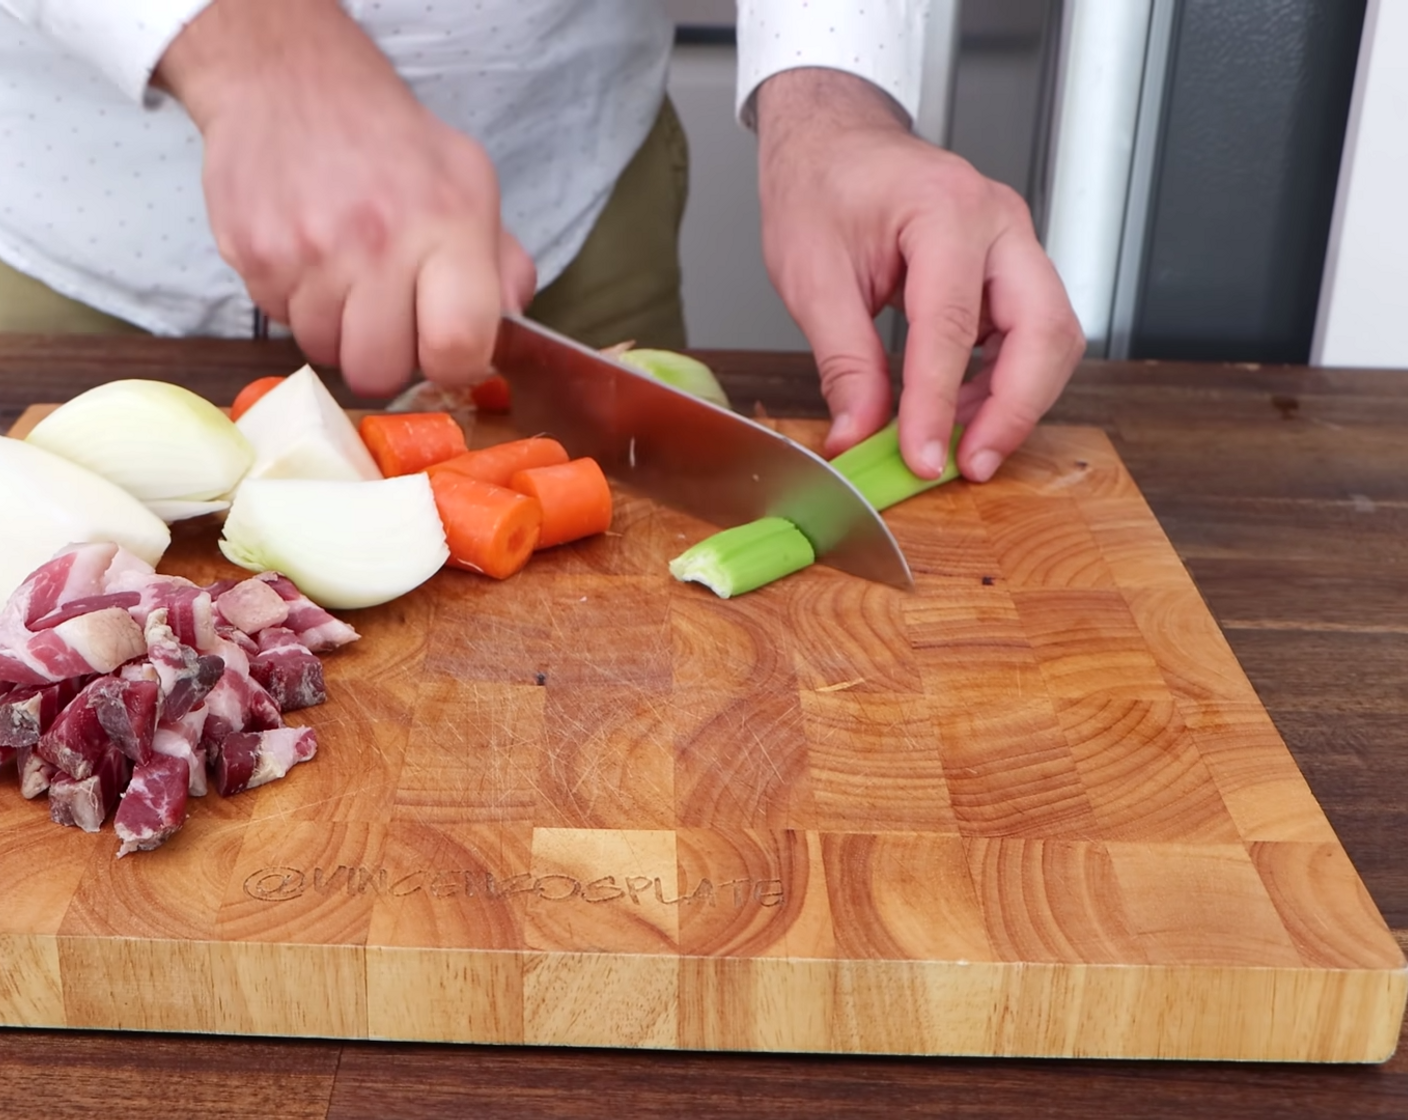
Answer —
499 463
489 529
406 442
492 395
246 397
575 497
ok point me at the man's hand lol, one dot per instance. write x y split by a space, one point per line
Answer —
353 215
858 213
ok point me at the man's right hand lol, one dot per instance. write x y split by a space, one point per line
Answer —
353 214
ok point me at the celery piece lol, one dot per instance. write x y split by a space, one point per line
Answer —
748 556
875 468
745 557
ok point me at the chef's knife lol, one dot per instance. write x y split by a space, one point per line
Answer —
689 453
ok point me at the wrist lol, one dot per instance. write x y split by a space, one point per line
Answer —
815 98
236 46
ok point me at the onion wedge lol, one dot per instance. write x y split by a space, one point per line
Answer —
48 503
345 544
159 442
298 430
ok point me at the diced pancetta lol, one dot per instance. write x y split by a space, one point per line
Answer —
251 606
108 712
126 691
86 802
189 610
181 739
292 674
27 711
237 702
153 805
250 759
96 641
315 627
35 772
186 676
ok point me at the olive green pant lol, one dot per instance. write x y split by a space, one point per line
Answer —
624 284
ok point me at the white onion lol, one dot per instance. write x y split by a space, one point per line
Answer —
345 544
159 442
298 430
48 503
177 509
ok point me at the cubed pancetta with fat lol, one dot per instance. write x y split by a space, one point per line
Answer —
251 605
186 676
28 710
125 691
35 773
181 739
86 802
96 641
237 702
290 672
250 759
153 805
189 610
108 712
315 627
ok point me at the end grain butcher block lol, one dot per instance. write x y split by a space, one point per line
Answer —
1033 807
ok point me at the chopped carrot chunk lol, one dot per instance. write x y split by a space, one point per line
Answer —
575 499
489 529
499 463
406 442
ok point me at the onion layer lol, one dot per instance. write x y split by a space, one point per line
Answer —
346 544
159 442
48 503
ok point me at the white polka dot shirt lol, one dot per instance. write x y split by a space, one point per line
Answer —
879 40
100 175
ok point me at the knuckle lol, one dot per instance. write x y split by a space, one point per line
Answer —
955 323
366 226
840 371
259 256
454 349
1009 202
1065 333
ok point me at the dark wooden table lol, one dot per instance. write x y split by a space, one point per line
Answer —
1285 491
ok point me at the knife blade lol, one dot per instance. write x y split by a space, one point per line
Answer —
689 453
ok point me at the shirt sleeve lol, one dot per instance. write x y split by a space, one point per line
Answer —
881 41
124 39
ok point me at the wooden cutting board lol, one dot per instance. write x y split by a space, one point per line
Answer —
1033 807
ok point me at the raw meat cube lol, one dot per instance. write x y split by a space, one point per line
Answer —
153 807
87 802
290 672
250 759
251 605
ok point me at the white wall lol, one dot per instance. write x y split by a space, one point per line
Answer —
729 302
1363 314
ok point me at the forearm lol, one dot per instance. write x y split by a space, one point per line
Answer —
234 45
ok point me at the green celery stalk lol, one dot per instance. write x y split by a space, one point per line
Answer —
745 557
875 468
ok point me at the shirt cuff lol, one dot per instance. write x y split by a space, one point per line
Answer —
125 41
881 41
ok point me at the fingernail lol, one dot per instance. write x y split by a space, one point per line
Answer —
933 456
984 465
